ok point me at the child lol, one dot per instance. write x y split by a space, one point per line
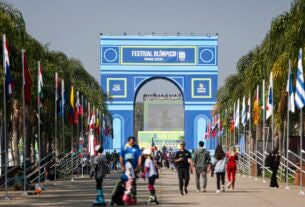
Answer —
118 192
150 172
101 169
128 199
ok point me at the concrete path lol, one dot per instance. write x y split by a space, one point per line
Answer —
81 192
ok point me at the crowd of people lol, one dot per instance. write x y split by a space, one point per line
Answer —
147 163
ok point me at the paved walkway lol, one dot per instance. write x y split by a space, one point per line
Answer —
81 192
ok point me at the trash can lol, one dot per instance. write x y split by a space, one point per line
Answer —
297 175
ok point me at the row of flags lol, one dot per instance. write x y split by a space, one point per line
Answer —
295 97
76 109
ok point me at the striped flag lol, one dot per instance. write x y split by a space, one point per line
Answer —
289 89
243 113
40 84
249 108
269 106
6 67
300 92
237 115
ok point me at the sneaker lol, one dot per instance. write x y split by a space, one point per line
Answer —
181 192
229 184
185 190
217 191
204 190
197 191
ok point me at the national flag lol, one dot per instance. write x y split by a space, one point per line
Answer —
40 84
92 120
289 89
249 108
300 91
71 115
269 106
63 98
243 112
232 120
256 108
6 67
27 82
77 103
58 96
237 116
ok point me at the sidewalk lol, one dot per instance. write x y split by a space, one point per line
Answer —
248 192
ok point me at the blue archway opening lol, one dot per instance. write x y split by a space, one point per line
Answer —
159 108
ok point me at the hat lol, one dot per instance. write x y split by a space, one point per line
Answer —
129 156
124 178
147 151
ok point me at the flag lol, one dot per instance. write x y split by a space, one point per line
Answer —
300 91
232 120
92 120
77 103
71 115
256 108
6 67
27 82
40 84
58 93
289 89
269 106
243 112
237 116
249 108
63 98
206 131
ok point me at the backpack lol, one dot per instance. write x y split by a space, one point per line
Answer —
220 166
268 160
101 167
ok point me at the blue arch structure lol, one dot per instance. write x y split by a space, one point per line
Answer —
190 62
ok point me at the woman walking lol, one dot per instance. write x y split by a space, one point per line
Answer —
231 167
220 168
274 165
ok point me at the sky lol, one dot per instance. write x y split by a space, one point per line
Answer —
73 26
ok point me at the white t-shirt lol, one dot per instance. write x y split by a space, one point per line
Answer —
152 170
129 172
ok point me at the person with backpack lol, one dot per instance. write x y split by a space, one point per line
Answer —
101 169
275 160
202 161
220 167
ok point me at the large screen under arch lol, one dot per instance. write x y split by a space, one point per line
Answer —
163 115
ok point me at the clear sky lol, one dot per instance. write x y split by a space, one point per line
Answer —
73 26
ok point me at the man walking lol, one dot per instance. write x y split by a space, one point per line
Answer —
183 159
202 160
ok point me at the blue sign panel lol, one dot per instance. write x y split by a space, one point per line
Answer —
201 88
117 87
207 56
158 55
110 55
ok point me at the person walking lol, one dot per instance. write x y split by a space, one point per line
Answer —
129 196
183 159
132 148
101 169
115 159
220 167
274 165
232 157
202 161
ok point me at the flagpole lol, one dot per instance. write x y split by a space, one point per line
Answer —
55 135
23 122
63 119
250 134
264 123
82 132
287 139
39 121
4 124
301 154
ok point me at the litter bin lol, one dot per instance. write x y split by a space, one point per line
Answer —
297 175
